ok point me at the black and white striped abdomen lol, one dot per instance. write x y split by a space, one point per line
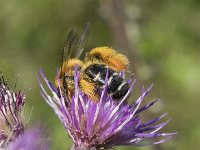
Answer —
117 86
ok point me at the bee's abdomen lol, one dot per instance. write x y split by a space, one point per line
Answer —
114 82
97 72
121 91
117 86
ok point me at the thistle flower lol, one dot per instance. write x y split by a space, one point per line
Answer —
13 132
104 124
12 121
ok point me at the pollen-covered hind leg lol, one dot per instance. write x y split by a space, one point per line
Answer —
89 89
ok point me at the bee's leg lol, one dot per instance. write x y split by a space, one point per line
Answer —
65 83
89 89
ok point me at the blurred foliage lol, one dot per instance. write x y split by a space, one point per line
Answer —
163 36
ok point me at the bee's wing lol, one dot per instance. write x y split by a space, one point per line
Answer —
67 50
81 40
74 43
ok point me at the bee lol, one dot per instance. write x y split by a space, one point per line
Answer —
98 63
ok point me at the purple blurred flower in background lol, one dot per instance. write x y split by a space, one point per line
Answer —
13 122
104 124
31 139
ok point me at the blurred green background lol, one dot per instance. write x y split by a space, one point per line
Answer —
161 39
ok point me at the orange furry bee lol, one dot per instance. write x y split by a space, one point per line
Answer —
93 69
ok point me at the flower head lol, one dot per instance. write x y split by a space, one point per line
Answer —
31 139
12 122
14 134
103 124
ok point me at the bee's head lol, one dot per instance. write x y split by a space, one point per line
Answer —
68 66
71 63
67 72
100 54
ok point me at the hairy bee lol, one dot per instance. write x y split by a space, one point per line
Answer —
93 69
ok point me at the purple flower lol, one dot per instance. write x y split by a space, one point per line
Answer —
31 139
104 124
13 132
12 121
